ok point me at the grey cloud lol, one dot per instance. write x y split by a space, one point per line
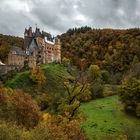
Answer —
56 16
105 13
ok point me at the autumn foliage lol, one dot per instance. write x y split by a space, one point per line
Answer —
59 127
38 76
19 107
6 43
130 96
110 49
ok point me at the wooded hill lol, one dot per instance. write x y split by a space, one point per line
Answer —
6 42
113 50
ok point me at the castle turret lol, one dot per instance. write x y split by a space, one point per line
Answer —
57 41
26 32
38 33
30 32
27 37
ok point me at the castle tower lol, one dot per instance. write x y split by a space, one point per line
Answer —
30 32
57 41
38 33
41 47
28 35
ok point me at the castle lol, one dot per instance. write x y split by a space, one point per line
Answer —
39 48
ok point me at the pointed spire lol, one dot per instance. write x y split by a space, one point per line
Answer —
26 32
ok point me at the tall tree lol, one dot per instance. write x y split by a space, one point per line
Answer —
38 76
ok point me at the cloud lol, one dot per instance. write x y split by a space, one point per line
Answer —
57 16
112 13
14 17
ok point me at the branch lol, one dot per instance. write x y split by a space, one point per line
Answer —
67 89
73 112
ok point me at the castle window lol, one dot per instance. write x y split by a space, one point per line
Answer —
14 52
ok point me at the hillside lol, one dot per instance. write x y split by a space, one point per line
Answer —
105 117
6 42
113 50
106 60
56 75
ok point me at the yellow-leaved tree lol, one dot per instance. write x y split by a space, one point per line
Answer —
38 76
76 93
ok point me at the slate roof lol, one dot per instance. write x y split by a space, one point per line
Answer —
32 45
17 50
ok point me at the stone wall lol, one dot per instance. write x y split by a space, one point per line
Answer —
31 62
52 53
39 52
4 69
15 59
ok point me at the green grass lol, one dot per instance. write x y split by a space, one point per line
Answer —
56 75
105 117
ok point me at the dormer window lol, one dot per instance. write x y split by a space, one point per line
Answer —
14 52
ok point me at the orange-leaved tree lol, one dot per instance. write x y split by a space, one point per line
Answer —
19 107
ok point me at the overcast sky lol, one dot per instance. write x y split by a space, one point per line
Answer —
57 16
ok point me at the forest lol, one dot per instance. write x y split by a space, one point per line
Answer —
6 42
93 94
111 49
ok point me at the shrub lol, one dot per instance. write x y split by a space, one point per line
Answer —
10 131
43 101
97 91
105 76
17 106
38 76
66 61
138 109
39 132
94 73
130 96
85 96
110 90
131 133
26 110
6 107
58 128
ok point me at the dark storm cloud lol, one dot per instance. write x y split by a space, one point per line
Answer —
56 16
